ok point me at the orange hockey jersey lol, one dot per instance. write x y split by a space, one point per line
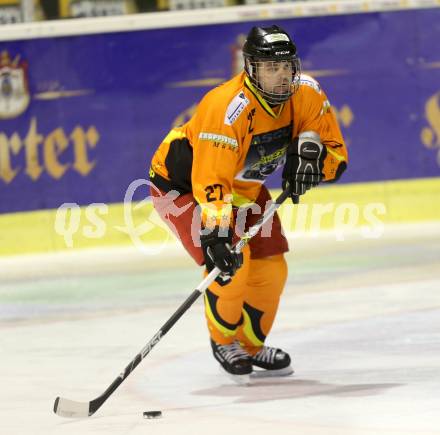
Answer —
225 152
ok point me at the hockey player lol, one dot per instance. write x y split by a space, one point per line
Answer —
267 117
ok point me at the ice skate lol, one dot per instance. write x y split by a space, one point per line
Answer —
234 361
271 362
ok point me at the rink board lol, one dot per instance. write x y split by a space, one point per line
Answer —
363 209
94 107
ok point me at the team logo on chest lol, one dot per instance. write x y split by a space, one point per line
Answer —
266 154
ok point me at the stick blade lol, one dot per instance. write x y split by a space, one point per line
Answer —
70 408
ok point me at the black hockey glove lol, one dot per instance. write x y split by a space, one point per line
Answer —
304 162
218 252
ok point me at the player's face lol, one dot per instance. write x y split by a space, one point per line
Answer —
275 77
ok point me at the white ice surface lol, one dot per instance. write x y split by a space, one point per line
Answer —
361 319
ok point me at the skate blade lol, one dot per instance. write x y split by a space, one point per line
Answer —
259 374
243 380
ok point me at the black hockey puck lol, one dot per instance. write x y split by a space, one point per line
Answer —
152 414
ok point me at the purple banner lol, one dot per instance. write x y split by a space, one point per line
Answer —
81 116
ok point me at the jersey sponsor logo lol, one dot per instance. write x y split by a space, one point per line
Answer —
213 137
235 108
309 81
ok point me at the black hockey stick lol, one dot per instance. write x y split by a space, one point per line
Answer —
73 409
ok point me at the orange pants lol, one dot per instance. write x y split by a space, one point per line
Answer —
245 308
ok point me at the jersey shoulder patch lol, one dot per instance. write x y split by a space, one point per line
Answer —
310 81
235 108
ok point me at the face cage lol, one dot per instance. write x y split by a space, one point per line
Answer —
251 68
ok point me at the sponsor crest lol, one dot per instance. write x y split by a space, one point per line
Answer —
14 89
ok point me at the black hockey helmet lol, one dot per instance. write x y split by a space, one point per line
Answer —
270 44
